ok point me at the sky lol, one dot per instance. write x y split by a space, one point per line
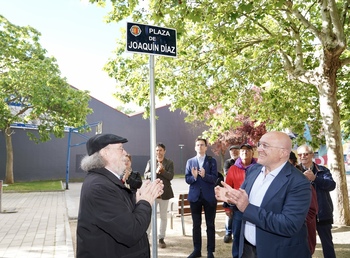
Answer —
73 31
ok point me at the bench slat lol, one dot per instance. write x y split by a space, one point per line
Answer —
185 210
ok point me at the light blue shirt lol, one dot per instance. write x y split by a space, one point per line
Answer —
256 196
200 161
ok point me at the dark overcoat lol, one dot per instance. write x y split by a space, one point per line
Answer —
110 224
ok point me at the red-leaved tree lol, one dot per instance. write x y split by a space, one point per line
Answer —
248 132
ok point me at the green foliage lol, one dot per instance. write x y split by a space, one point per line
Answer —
36 186
261 59
32 82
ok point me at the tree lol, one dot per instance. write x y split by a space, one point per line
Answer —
248 132
294 53
32 90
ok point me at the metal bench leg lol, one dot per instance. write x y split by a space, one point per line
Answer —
183 225
182 216
171 215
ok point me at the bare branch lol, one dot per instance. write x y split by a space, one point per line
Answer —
346 8
338 29
304 21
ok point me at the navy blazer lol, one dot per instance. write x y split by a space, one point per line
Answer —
206 184
280 220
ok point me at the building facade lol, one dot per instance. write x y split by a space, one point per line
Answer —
48 160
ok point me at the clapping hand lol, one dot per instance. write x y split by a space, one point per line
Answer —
149 191
228 194
194 172
201 172
126 175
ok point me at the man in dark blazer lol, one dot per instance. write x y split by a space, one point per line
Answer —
274 198
112 220
201 174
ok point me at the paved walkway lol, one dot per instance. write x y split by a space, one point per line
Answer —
39 227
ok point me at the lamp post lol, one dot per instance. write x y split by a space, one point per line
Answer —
181 159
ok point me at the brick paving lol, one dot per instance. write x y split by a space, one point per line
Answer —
39 227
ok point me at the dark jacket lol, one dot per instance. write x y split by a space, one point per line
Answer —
166 177
227 164
323 184
134 181
110 224
205 185
280 219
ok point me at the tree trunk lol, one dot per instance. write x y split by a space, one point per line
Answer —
331 125
9 156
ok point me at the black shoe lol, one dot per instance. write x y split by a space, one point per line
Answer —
195 254
162 243
210 255
227 238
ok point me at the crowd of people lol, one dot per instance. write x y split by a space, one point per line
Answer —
274 205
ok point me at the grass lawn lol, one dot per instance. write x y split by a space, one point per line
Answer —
38 186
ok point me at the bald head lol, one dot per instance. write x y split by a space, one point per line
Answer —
274 149
280 139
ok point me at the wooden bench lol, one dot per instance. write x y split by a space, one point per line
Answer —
185 210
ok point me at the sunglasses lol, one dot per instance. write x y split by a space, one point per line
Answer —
303 154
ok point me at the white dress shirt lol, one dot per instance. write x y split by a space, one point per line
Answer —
256 196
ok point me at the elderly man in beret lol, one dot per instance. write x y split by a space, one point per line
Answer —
112 220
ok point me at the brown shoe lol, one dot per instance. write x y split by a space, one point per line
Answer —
162 243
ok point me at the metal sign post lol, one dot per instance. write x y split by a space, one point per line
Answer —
151 40
0 195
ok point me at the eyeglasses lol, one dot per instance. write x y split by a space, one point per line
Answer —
303 154
265 146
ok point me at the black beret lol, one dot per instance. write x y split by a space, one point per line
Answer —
99 141
234 147
247 145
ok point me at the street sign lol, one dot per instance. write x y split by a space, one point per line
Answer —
149 39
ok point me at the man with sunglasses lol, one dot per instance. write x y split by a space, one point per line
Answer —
321 179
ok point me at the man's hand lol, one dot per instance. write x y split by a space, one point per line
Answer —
149 191
160 168
228 194
239 198
201 172
126 174
194 172
310 175
220 193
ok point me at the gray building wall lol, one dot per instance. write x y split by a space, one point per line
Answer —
48 160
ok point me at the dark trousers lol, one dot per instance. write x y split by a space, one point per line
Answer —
209 213
236 227
228 225
249 251
325 234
